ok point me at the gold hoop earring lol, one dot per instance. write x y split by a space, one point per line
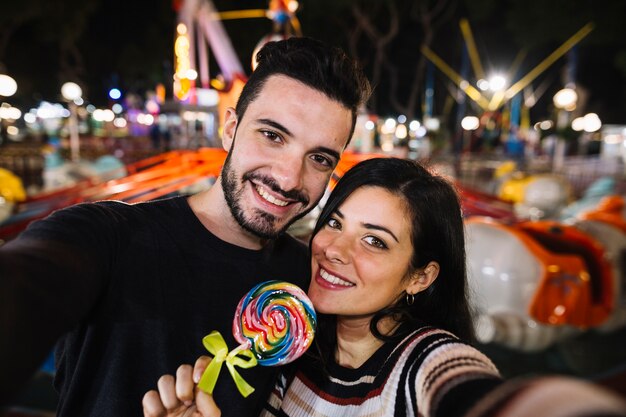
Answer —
410 299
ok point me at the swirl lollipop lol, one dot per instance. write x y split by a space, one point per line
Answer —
274 322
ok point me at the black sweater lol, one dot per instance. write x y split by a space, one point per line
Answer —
132 289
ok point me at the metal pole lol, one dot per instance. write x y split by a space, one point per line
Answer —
74 137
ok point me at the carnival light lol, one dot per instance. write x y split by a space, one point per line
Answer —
497 83
117 108
51 111
389 126
614 140
420 132
578 124
565 99
546 125
14 113
115 93
182 45
207 97
292 6
370 125
432 124
119 122
9 113
483 84
592 122
414 125
50 115
192 74
108 115
71 91
401 131
8 86
470 123
30 118
98 115
145 119
152 106
190 116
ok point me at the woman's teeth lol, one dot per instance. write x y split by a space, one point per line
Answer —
334 280
266 196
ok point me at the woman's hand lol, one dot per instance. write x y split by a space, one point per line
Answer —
180 397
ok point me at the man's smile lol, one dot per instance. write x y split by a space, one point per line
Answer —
268 197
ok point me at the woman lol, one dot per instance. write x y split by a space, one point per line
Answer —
389 285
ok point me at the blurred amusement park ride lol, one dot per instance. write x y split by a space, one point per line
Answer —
546 258
542 267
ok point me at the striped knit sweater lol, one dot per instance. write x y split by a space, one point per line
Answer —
429 373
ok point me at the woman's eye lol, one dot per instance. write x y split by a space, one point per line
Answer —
333 224
376 242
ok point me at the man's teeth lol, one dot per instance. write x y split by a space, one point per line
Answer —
266 196
334 280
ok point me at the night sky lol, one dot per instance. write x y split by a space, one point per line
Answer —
129 44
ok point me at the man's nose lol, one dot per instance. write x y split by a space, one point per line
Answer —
289 173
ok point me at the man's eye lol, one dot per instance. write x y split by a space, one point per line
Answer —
322 160
271 135
376 242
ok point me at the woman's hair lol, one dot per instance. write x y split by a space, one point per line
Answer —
437 235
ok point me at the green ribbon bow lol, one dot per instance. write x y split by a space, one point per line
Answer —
216 345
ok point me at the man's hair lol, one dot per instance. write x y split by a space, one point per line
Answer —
319 66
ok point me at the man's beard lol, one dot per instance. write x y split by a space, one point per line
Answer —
258 223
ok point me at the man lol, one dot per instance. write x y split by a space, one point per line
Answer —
134 288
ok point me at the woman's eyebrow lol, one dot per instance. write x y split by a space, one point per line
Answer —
381 228
372 226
